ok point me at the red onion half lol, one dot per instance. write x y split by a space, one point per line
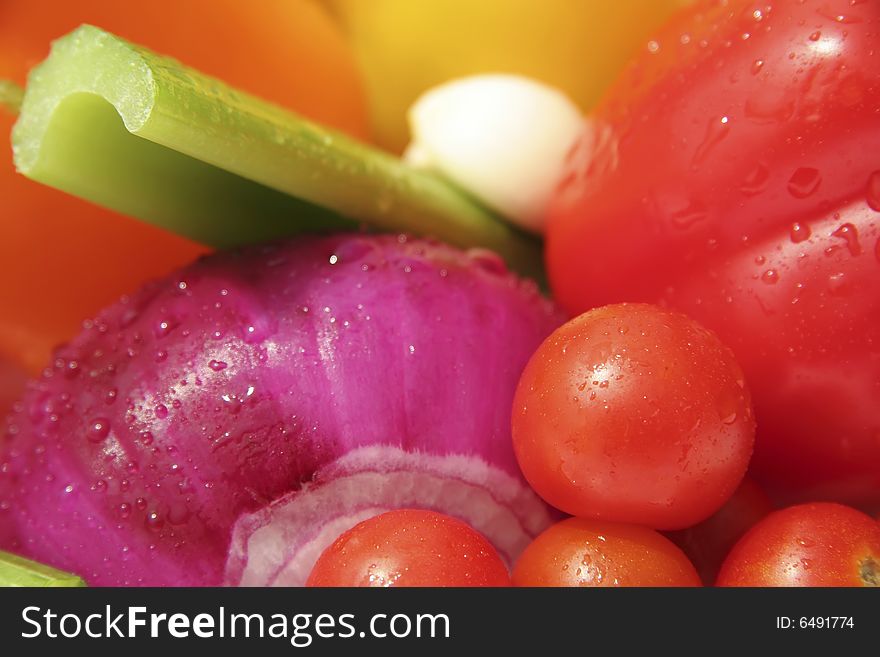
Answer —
225 424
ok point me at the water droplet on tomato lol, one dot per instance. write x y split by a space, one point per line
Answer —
850 235
217 365
799 232
686 216
804 182
716 131
161 411
771 277
756 181
757 65
815 36
838 284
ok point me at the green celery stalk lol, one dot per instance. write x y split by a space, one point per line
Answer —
17 571
114 123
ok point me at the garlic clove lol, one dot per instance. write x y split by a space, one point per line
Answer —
503 138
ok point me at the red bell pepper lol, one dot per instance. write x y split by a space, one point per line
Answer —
735 176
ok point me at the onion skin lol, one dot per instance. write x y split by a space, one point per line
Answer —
209 394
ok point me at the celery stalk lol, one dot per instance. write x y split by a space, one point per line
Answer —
17 571
140 133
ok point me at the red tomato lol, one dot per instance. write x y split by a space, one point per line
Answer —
736 177
807 545
578 552
632 413
410 547
708 543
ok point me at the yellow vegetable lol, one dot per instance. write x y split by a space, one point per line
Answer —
406 46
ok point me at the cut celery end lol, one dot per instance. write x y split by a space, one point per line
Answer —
140 133
18 571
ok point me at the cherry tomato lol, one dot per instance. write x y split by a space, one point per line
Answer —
410 547
807 545
578 552
632 413
735 176
63 258
708 543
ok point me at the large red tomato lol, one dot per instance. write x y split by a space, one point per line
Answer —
734 175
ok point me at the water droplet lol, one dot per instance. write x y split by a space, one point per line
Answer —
843 19
850 235
804 182
154 521
771 277
161 411
838 284
99 429
727 405
873 194
123 510
815 36
716 131
653 47
756 181
140 503
757 65
166 326
684 217
161 355
217 365
799 232
100 486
